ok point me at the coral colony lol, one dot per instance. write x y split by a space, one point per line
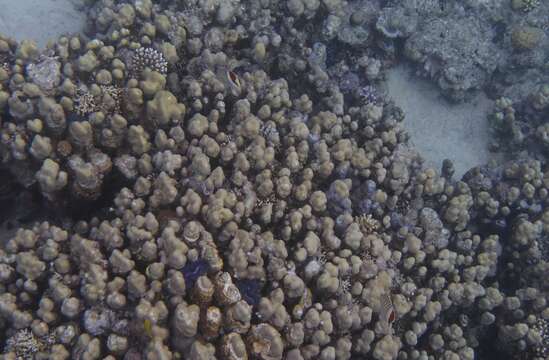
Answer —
253 209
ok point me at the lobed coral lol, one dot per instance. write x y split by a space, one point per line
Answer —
264 211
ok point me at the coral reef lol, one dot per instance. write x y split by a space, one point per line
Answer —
467 46
521 126
259 198
448 55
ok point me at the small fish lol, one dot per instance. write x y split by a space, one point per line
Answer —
147 326
233 82
233 78
392 317
230 78
387 312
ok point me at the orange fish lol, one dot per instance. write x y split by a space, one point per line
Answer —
233 82
233 78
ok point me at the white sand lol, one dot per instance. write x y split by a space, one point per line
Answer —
39 20
440 130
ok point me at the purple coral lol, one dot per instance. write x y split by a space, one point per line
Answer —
348 82
193 270
250 290
368 94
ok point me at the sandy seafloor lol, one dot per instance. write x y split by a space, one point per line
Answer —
438 129
40 20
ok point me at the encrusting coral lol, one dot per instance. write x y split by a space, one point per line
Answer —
260 210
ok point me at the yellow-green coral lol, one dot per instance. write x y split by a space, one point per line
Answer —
526 37
165 108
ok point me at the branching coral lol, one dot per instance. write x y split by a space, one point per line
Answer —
146 57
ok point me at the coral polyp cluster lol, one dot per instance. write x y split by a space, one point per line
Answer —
253 198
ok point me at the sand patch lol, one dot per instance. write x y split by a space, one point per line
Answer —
440 130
